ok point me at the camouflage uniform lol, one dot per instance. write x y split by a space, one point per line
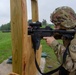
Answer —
66 17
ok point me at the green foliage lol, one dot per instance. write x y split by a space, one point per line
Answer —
44 22
29 21
5 27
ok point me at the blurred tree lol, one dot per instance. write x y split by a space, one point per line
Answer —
44 22
5 27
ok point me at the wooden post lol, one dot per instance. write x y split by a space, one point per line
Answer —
22 51
31 67
32 70
34 6
35 17
13 73
19 35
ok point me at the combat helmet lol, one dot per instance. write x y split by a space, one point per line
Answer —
64 16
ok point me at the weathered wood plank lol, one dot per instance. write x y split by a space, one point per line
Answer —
35 17
13 73
31 67
19 35
22 51
34 6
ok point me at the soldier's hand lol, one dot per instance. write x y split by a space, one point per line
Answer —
49 40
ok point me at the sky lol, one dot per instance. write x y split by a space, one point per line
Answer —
46 7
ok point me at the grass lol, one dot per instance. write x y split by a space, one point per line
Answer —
5 46
6 51
51 60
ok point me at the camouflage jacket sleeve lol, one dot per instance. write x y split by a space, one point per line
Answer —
72 50
58 49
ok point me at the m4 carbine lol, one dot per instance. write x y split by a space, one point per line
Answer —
37 33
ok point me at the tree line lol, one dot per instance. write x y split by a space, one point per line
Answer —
7 27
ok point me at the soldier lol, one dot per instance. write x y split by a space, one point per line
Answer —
64 18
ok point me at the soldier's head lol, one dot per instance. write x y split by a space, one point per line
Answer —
64 16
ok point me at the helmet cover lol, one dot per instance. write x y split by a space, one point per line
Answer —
64 16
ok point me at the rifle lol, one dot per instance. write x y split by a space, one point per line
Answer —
37 33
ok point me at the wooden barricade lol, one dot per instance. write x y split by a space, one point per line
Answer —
22 51
13 73
34 7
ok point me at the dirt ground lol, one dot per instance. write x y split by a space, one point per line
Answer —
6 69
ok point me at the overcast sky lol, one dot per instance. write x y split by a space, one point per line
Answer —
45 8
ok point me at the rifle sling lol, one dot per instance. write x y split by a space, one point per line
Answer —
55 70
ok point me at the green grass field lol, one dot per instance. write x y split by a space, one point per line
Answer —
51 60
5 46
6 50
